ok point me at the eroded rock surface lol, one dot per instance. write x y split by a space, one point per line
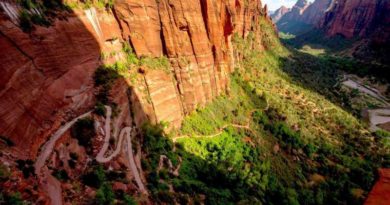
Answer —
46 75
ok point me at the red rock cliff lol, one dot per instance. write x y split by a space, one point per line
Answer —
46 74
357 18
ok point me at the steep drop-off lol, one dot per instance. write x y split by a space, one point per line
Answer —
46 75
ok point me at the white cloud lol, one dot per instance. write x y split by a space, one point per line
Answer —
275 4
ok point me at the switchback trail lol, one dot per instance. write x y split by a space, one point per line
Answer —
130 157
47 181
220 130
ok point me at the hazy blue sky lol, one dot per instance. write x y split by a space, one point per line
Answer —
275 4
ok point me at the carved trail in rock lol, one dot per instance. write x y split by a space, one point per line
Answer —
130 157
48 182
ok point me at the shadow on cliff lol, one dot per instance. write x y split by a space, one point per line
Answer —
49 60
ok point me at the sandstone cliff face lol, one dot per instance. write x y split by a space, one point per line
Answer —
358 18
350 18
46 75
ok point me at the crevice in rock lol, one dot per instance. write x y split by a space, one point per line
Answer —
149 96
131 108
204 6
117 19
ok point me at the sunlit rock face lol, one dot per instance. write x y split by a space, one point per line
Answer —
46 75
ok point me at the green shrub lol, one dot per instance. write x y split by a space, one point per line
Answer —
40 20
261 118
100 109
84 130
105 76
94 178
289 137
25 21
27 4
382 134
309 149
128 200
105 195
14 199
61 175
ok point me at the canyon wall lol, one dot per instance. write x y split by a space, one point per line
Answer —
303 16
358 18
47 73
349 18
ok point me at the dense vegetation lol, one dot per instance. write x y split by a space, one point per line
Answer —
273 140
84 130
363 59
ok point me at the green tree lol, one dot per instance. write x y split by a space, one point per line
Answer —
105 195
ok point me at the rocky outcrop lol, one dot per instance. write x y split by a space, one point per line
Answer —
46 74
279 13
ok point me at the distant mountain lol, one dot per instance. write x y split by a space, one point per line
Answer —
349 18
365 22
303 16
279 13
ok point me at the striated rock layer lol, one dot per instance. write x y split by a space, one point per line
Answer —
46 75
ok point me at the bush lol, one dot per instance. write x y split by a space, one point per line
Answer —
27 4
94 178
128 200
261 118
105 75
84 130
100 109
14 199
105 195
25 21
61 175
309 149
288 136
